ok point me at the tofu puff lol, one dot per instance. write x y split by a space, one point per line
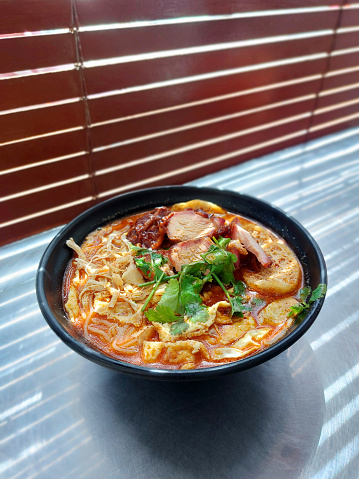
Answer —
280 277
182 287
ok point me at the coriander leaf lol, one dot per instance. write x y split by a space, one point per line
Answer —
197 313
170 295
239 287
247 307
222 242
300 310
296 309
304 293
216 255
195 269
221 263
237 307
158 259
150 265
162 314
178 327
143 266
258 302
190 302
154 289
319 292
139 250
301 316
190 286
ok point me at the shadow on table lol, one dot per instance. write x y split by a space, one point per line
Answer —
261 423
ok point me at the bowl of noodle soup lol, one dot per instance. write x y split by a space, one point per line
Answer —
118 288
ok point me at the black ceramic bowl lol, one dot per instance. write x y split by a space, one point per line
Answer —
57 255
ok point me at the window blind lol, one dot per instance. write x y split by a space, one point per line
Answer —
99 98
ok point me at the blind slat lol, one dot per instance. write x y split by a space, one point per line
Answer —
183 177
37 89
41 175
340 62
30 123
129 129
336 114
119 76
347 40
338 81
20 154
34 15
334 128
193 158
115 43
145 101
29 53
35 225
42 200
339 97
332 123
111 11
350 18
162 145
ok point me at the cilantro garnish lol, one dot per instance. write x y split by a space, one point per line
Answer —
258 302
162 314
301 310
197 313
181 299
179 327
170 295
221 262
181 302
155 286
190 287
152 268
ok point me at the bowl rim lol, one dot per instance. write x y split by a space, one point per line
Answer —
100 358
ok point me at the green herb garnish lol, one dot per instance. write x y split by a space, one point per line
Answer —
258 302
181 301
179 327
170 295
301 310
152 268
154 289
162 314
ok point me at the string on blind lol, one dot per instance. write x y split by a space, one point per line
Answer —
101 97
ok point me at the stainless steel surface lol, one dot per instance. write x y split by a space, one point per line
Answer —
296 416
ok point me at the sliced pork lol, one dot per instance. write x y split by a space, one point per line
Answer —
149 229
239 233
188 251
187 225
235 247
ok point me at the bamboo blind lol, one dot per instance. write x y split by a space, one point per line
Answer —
105 96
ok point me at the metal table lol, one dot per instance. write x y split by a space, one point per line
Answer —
296 416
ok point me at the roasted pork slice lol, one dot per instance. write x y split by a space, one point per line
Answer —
236 247
238 233
187 225
150 228
188 251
